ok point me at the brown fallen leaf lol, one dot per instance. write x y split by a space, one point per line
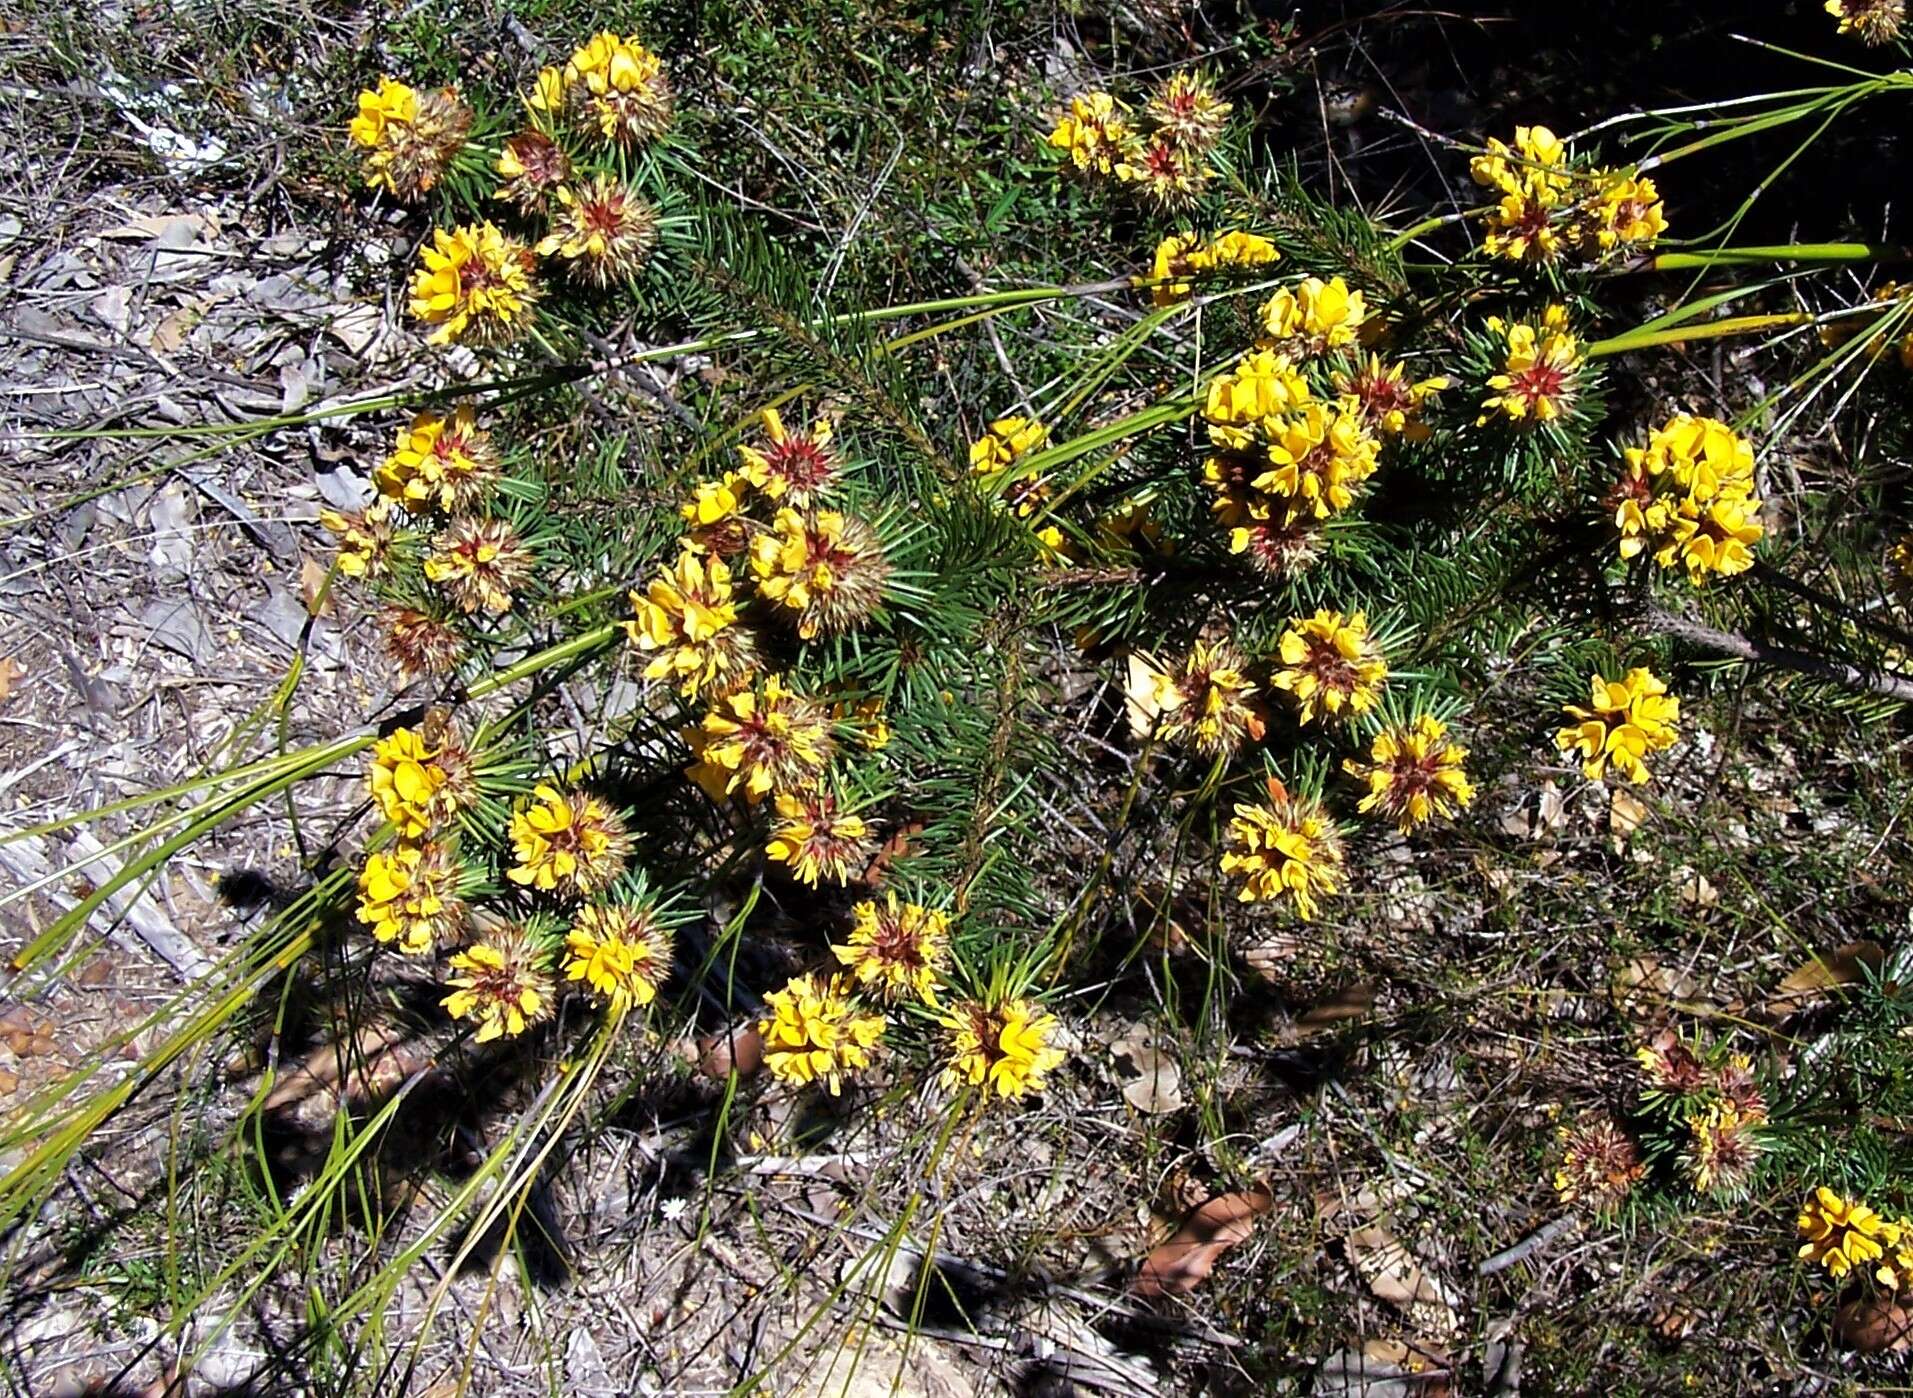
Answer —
1814 983
28 1034
1153 1081
1396 1276
1352 1002
373 1065
741 1048
10 675
312 588
8 1081
1624 815
1874 1325
1209 1230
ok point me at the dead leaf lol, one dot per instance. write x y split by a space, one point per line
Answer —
26 1033
1210 1229
372 1065
1355 1002
742 1049
1874 1325
10 675
8 1081
1270 959
1154 1084
1813 984
1396 1276
1139 695
1645 989
1624 814
312 586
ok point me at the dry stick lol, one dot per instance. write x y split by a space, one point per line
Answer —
1765 653
1527 1247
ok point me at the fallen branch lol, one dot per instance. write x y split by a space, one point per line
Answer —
1786 658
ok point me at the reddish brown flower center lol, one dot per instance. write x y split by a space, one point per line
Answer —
896 945
1543 380
800 461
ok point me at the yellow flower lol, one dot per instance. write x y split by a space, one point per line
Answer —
1626 211
816 841
1532 182
688 618
1625 721
391 103
409 895
1245 405
896 949
1390 403
1185 255
409 137
1186 111
480 563
532 168
1093 133
1414 774
1008 440
547 93
621 87
621 952
1317 456
1330 665
812 1033
1205 701
1712 539
1723 1147
1870 21
568 843
791 466
410 785
824 565
763 740
1844 1235
714 519
1167 172
1541 372
442 462
603 230
1286 847
475 284
1315 316
1004 1049
365 538
1539 158
502 981
1689 496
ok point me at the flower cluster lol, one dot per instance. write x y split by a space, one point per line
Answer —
814 1032
1330 665
1688 499
1549 204
1207 701
1870 21
1285 847
1712 1100
478 283
1414 773
1002 1046
408 138
897 950
567 843
621 952
1624 722
502 982
1600 1163
1184 256
1541 371
1165 155
1849 1239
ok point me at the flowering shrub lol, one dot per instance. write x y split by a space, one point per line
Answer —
743 722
